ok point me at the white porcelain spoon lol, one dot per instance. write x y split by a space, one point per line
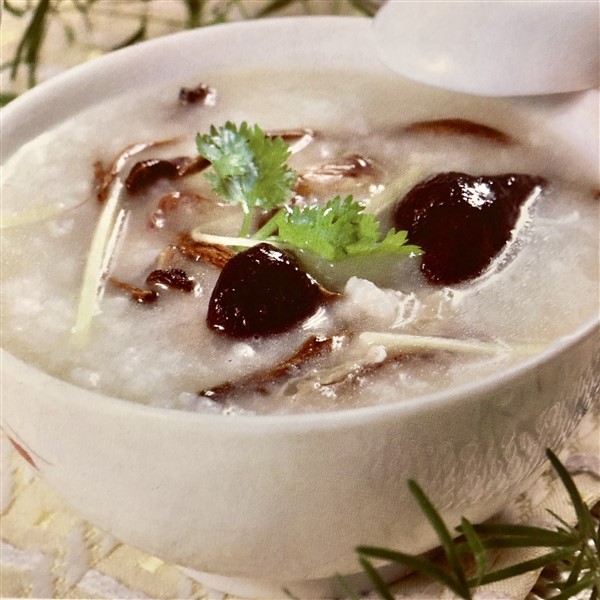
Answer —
493 48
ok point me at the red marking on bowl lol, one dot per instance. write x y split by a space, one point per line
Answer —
22 452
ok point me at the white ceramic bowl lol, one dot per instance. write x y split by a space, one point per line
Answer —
262 502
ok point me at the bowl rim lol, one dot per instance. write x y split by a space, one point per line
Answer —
291 421
119 60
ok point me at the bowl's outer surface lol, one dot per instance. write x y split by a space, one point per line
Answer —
285 498
291 498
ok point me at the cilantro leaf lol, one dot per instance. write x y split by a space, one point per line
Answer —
338 230
248 167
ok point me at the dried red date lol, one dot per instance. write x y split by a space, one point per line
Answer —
462 222
261 291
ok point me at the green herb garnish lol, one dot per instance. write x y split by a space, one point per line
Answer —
249 168
338 230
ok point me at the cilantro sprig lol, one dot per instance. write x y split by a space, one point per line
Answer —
337 230
249 168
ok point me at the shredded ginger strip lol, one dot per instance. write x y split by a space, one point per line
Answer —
106 235
394 343
223 240
35 214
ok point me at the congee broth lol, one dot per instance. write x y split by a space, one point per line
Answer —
123 270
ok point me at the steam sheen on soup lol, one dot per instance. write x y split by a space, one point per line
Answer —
492 286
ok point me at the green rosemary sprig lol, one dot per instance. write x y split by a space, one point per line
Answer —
13 10
194 9
6 97
28 49
574 550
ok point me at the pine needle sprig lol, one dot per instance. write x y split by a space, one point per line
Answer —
573 550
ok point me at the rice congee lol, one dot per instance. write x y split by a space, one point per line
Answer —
123 268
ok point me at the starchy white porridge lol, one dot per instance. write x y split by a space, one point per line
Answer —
507 228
